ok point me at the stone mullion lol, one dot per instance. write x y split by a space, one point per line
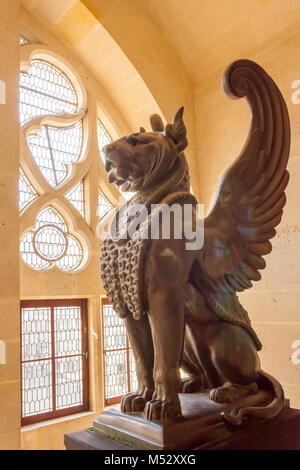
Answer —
91 179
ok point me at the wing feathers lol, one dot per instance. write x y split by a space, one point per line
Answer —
260 248
256 262
251 197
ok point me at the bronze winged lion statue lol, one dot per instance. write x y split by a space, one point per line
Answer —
180 305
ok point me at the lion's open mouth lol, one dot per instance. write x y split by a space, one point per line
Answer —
123 166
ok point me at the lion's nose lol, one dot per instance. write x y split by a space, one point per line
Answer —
109 148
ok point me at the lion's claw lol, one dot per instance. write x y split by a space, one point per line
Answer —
160 410
134 402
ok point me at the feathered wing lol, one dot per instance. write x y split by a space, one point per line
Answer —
250 198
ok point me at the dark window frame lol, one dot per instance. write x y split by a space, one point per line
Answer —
82 303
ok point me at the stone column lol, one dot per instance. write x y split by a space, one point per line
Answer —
10 395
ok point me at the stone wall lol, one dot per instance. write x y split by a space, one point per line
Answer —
9 228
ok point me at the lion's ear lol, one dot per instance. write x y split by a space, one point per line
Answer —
156 123
177 131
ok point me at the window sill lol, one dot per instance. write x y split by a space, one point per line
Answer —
50 422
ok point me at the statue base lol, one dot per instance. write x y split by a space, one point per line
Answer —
280 433
201 425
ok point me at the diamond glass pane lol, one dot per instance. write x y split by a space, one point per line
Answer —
29 255
27 194
36 333
73 257
103 138
54 148
44 89
36 387
67 327
69 382
76 197
116 382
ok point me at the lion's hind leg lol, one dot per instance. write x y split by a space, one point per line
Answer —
235 357
194 379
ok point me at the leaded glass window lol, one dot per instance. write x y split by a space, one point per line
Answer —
44 89
76 197
54 358
104 206
27 193
119 365
53 148
50 243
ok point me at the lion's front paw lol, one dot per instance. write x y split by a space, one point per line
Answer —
161 410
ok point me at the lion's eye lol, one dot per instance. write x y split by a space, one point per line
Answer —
132 140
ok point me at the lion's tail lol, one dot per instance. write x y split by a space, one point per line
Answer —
235 416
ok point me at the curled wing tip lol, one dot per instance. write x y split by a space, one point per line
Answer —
251 193
238 74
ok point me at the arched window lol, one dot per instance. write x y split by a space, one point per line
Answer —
56 128
46 91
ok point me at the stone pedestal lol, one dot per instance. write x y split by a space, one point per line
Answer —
200 426
281 433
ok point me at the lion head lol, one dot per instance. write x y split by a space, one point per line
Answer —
143 160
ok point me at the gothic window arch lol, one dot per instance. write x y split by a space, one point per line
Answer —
53 120
57 163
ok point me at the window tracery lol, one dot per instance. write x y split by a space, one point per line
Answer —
53 116
50 243
54 148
